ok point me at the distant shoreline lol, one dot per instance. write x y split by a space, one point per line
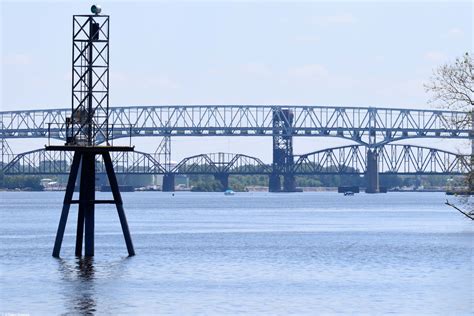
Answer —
317 189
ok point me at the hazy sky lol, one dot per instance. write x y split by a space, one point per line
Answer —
238 52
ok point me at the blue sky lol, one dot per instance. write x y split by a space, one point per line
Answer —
238 52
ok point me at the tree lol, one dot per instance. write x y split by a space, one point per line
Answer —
452 86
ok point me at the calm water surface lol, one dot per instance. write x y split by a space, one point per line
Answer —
252 253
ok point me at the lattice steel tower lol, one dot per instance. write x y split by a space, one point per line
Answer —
88 123
87 131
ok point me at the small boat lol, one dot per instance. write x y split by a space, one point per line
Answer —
348 193
229 192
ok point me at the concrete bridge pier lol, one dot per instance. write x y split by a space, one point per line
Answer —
289 183
372 173
168 182
274 183
223 178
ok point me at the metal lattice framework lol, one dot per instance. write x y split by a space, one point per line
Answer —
392 159
163 153
7 154
283 158
88 123
370 126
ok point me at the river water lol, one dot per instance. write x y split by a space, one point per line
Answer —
251 253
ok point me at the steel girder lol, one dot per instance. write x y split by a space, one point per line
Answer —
365 125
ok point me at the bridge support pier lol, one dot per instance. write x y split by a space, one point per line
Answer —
223 178
168 182
289 183
274 183
372 173
84 162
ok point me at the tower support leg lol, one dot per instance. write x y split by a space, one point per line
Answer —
88 169
66 204
85 217
84 161
118 202
80 230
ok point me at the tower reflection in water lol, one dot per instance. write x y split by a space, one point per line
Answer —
79 285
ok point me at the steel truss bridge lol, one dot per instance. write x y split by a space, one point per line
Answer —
370 126
372 129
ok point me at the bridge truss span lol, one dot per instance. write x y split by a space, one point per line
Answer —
354 159
365 125
390 159
221 163
50 162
